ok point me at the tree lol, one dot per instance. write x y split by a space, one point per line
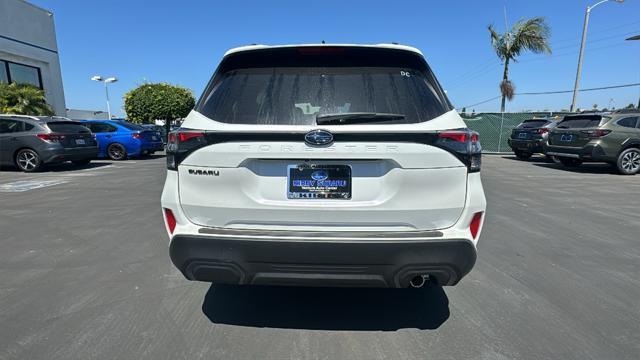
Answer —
630 106
595 106
23 99
532 35
161 101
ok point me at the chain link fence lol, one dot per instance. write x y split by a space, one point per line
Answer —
495 128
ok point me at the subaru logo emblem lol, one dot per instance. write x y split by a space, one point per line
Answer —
318 137
319 175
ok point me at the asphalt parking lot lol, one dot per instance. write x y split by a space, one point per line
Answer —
85 274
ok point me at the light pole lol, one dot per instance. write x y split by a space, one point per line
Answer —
637 37
582 44
106 82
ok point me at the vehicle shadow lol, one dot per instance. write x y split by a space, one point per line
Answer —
533 159
587 168
149 157
326 308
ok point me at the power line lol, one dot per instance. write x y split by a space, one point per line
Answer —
556 92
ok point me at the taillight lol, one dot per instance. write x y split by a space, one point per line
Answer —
464 144
51 137
137 136
542 131
170 220
474 226
181 143
597 133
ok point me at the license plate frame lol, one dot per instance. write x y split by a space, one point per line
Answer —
319 182
566 137
81 142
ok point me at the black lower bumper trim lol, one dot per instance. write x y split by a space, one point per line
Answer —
375 263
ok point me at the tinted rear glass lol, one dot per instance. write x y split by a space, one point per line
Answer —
67 127
532 124
130 126
299 90
580 122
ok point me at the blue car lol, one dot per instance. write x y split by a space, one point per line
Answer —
119 139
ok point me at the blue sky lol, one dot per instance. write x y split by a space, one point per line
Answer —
182 43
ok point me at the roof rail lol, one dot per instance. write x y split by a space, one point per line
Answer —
20 116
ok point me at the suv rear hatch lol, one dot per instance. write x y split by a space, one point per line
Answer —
246 156
575 130
529 129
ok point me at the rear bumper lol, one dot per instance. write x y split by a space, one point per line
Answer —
590 152
148 146
532 146
60 154
305 260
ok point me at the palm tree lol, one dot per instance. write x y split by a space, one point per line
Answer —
23 99
527 34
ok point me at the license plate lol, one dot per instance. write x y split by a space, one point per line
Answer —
80 142
154 138
566 137
312 181
522 135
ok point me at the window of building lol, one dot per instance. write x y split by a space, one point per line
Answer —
11 72
4 75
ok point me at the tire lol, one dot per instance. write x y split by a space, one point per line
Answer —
628 162
81 162
570 162
116 151
553 159
28 160
522 155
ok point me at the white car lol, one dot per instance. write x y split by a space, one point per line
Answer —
324 165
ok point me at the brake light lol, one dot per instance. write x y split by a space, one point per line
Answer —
51 137
474 226
170 220
137 136
459 136
181 143
597 133
320 50
464 144
188 135
542 131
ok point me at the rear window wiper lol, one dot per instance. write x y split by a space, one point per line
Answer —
356 118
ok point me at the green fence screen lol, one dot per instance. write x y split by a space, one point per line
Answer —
495 128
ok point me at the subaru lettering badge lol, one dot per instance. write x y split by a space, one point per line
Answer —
318 137
319 175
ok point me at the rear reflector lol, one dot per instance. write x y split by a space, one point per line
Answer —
475 224
170 220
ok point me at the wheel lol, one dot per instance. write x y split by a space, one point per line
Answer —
570 162
28 160
629 161
552 158
522 155
116 152
81 162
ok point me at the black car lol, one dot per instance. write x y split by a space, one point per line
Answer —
29 142
529 137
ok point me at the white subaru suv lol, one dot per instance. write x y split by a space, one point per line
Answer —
324 165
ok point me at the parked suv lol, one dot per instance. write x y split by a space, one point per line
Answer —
528 137
29 142
324 165
612 138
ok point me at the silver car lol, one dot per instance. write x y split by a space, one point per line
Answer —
29 142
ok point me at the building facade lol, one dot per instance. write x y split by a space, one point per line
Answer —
29 50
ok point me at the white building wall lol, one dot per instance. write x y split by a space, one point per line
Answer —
27 36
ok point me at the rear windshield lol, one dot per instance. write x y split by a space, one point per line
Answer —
68 127
532 124
575 122
295 95
130 126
